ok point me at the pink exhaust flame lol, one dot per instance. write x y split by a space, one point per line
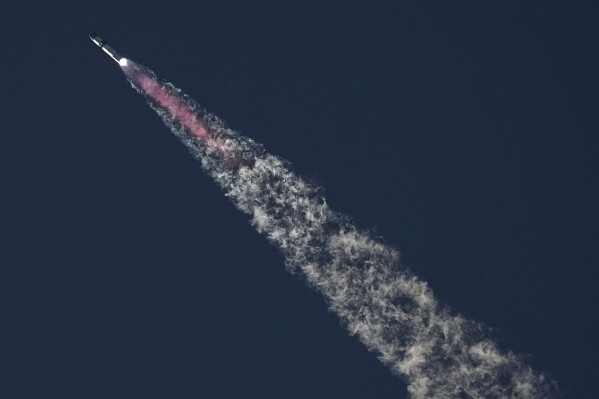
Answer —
181 112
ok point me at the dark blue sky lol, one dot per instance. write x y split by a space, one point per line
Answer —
466 134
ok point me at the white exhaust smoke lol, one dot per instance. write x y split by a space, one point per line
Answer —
439 354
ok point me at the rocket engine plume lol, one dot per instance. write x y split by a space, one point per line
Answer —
167 98
438 353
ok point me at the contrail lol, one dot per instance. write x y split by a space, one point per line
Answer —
439 354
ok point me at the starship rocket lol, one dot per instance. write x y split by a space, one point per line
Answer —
108 50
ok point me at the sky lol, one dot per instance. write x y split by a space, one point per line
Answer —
464 133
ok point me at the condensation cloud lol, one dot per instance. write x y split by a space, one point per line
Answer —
438 353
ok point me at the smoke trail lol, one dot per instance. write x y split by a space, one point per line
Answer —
437 353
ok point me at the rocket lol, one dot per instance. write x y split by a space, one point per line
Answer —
107 49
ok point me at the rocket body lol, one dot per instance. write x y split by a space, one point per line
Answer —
98 41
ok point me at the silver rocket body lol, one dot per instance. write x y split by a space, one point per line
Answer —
106 48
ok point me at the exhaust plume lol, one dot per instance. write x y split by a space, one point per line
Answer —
438 353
